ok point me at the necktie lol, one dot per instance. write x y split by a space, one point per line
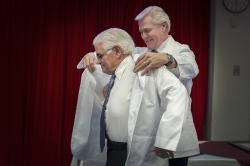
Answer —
102 121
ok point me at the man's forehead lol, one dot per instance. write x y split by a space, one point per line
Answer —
145 29
145 24
99 48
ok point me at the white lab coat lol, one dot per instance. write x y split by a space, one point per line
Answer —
154 99
160 116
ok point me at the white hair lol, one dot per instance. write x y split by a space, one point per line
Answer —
115 37
159 16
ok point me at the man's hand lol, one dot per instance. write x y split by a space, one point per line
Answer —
150 60
163 153
89 61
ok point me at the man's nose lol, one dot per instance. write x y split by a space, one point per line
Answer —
98 61
144 35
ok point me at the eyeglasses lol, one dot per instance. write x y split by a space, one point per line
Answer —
100 56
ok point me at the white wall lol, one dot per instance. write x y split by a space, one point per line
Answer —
228 115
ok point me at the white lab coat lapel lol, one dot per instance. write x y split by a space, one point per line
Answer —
135 105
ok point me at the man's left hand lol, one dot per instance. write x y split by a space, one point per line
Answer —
163 153
148 61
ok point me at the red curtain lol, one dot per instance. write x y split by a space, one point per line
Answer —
42 41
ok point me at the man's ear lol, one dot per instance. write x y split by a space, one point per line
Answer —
164 26
118 51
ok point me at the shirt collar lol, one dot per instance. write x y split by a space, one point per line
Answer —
122 66
162 46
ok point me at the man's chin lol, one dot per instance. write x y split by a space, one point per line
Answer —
149 47
104 71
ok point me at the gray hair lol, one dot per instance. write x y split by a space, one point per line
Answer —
158 15
115 37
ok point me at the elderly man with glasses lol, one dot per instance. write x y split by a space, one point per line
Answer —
145 119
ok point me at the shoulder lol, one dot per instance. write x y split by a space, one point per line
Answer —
140 50
178 44
163 76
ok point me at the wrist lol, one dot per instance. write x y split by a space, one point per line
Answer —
170 59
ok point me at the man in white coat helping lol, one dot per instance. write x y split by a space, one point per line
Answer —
154 26
148 118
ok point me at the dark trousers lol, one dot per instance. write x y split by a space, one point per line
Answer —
178 161
116 157
116 154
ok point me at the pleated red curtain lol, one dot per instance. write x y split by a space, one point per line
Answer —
42 41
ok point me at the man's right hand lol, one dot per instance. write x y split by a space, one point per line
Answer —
89 61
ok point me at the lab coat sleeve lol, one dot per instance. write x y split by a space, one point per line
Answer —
174 102
187 66
85 135
81 129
